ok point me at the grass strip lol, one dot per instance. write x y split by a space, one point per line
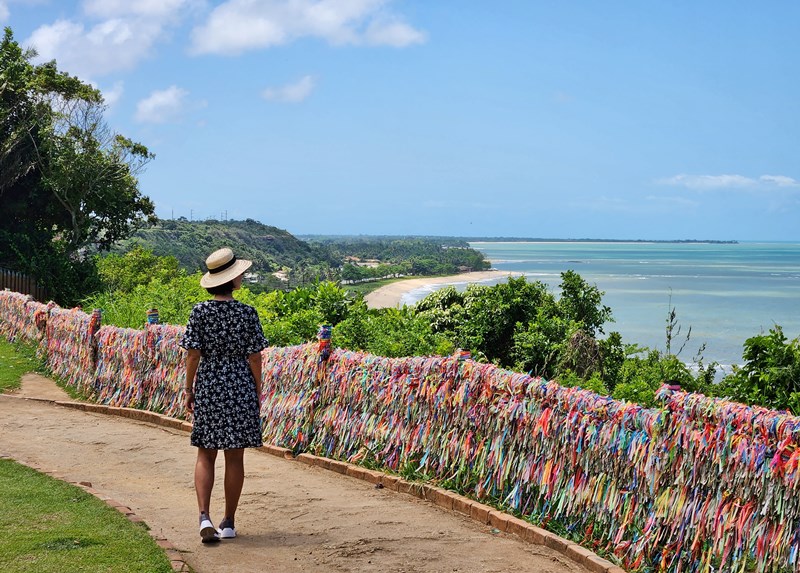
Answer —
50 526
16 360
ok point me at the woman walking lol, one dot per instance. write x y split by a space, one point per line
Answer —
223 343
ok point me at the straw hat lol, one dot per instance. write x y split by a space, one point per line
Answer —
223 266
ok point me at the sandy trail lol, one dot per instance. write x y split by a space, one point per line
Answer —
292 517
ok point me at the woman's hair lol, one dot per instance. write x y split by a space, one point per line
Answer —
224 288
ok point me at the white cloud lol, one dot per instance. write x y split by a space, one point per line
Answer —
705 182
4 13
112 95
109 46
116 36
715 182
291 93
780 180
237 26
392 32
676 202
162 106
148 8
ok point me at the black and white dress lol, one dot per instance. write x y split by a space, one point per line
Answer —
226 412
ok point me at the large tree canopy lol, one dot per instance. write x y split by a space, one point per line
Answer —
68 184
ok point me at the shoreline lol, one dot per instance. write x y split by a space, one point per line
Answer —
389 296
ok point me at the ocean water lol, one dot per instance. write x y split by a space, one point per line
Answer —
726 293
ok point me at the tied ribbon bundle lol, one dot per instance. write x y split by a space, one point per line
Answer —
122 364
164 381
734 482
22 318
141 369
70 347
699 483
290 393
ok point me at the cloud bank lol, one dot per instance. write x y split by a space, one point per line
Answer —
714 182
162 106
111 36
237 26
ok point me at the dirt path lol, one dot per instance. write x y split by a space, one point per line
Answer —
292 517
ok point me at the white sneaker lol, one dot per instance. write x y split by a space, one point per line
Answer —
226 530
208 533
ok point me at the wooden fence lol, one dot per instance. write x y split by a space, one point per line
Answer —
22 283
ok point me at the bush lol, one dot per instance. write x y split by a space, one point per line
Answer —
770 376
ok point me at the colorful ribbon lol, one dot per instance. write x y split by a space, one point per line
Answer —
696 484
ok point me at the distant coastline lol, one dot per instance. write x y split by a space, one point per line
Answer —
647 241
476 239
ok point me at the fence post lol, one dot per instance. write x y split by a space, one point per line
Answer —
152 316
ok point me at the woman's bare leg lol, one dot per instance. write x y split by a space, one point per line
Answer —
204 478
234 480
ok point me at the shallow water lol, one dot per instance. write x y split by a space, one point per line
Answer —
726 293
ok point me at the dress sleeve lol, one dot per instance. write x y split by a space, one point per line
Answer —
191 336
256 341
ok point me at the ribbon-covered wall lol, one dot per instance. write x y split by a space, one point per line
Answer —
700 484
23 319
140 369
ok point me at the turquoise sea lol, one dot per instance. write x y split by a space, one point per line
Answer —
726 293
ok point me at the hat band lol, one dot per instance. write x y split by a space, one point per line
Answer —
221 268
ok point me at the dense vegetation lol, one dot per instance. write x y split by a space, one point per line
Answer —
519 325
67 182
349 259
271 249
371 258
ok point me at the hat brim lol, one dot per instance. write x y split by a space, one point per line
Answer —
212 280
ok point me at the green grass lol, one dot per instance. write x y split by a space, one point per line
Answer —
16 360
52 526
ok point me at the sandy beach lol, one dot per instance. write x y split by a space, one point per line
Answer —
389 296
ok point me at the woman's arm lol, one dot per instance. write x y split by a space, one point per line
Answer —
192 361
255 367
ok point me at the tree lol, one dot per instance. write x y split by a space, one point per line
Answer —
495 313
581 302
137 267
67 183
91 172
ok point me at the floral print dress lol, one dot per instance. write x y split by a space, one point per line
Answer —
226 414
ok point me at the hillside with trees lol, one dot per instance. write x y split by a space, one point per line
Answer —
271 249
374 257
300 262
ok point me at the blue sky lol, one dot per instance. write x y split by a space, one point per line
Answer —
624 120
